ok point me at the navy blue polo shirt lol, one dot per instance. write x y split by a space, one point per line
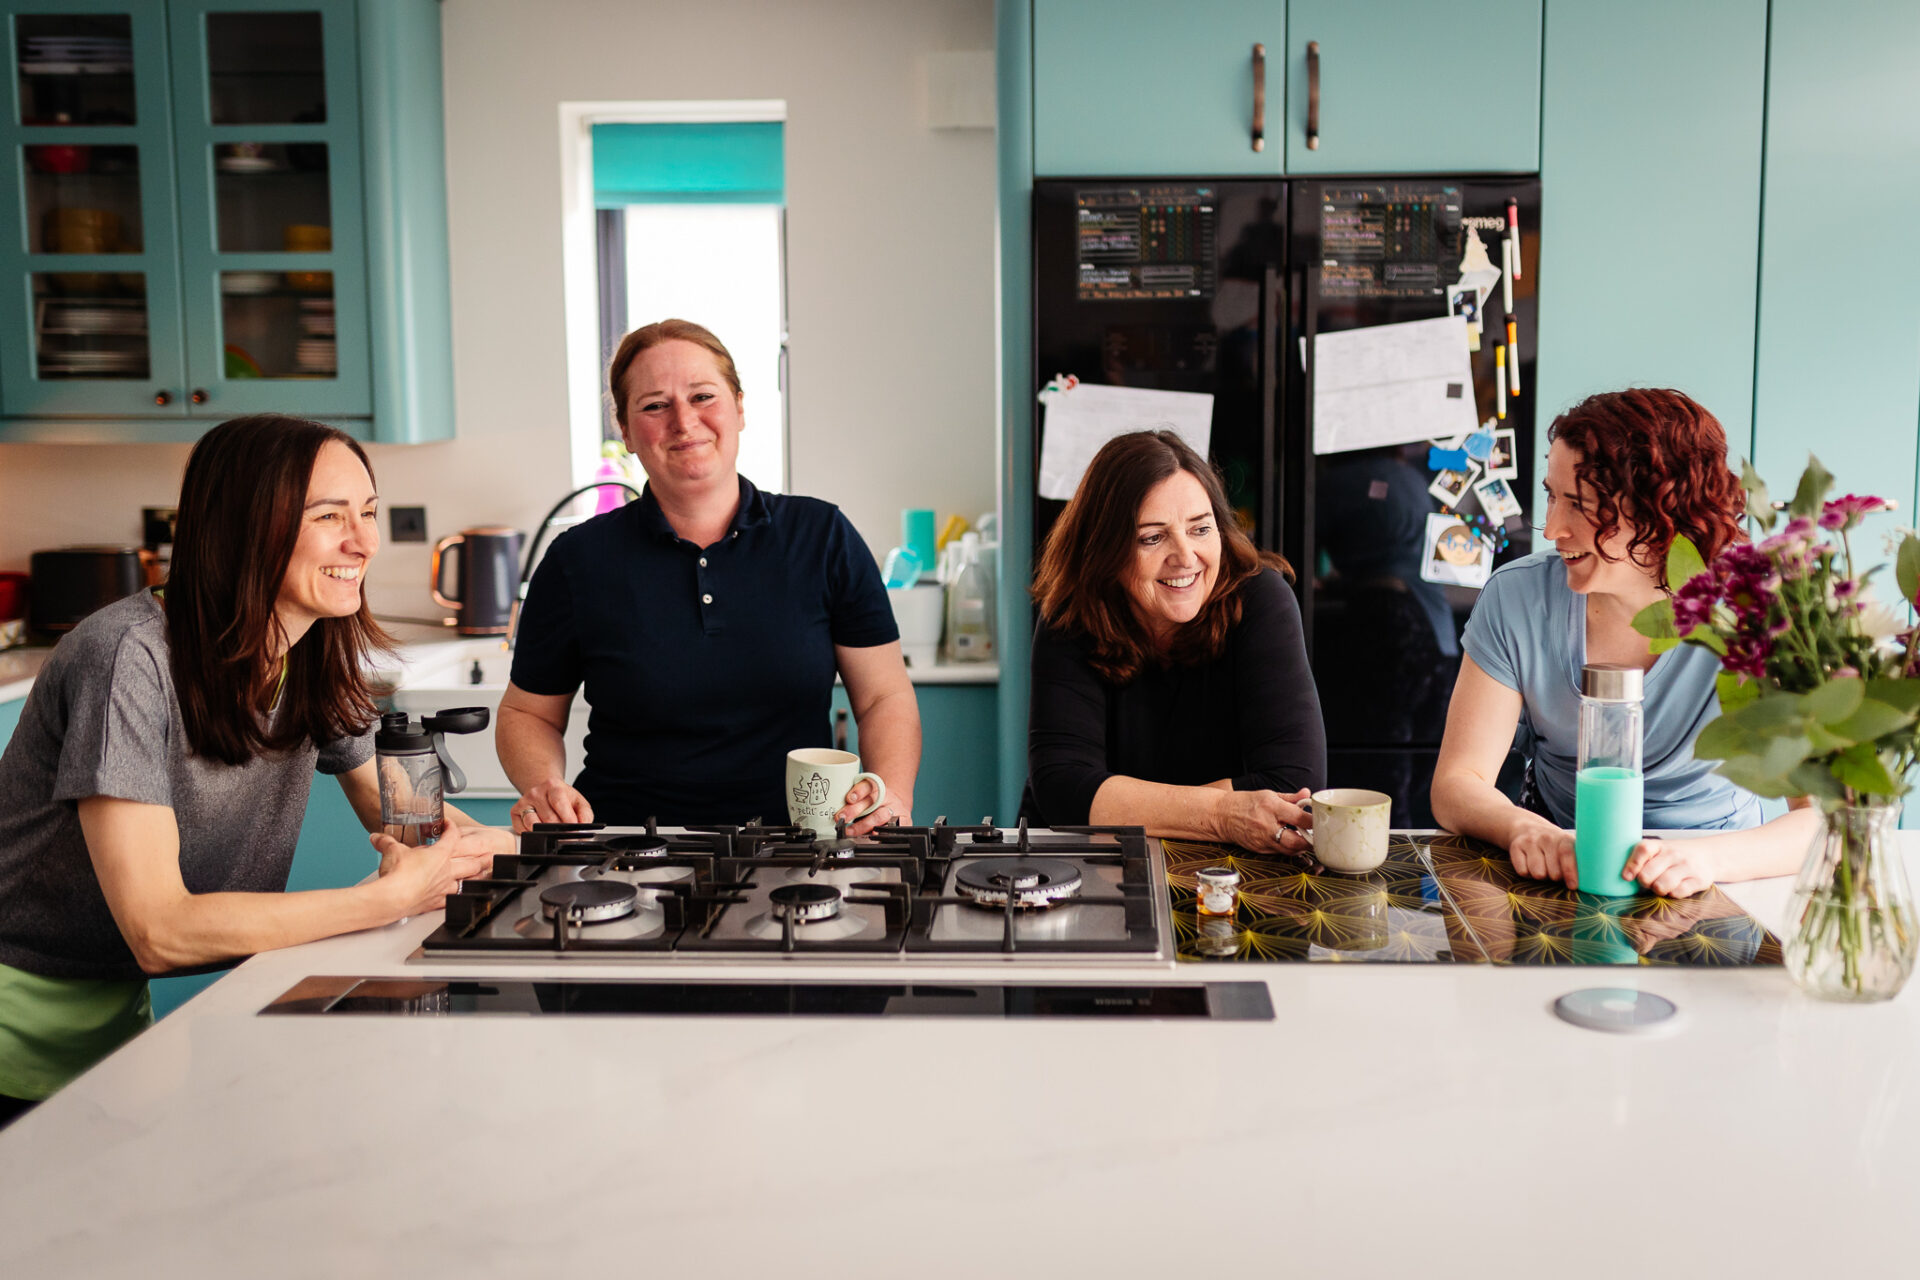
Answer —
702 667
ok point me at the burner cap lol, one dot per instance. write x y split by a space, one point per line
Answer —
804 902
588 901
638 846
1034 882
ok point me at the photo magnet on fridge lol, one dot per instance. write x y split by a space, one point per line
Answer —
1452 487
1497 500
1501 463
1454 554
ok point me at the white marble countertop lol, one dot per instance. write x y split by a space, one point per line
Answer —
18 667
1393 1119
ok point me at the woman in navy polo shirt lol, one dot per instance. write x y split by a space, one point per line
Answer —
706 621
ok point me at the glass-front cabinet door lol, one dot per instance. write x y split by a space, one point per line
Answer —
273 261
89 249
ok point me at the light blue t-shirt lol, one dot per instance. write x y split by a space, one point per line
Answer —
1529 632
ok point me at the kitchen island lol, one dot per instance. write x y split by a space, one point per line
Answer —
1430 1119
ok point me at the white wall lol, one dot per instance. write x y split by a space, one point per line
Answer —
890 268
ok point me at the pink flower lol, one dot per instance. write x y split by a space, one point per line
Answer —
1846 512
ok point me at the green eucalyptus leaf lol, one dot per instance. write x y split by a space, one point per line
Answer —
1766 774
1814 779
1815 482
1861 768
1872 719
1836 699
1759 501
1660 646
1683 562
1656 622
1902 695
1906 568
1722 738
1706 637
1825 741
1734 692
1772 713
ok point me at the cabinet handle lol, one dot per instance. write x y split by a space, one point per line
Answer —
1313 95
1259 97
163 398
199 396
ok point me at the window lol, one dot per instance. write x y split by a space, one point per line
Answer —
689 222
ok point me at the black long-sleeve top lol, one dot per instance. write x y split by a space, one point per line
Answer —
1251 714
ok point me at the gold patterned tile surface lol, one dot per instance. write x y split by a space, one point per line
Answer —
1447 899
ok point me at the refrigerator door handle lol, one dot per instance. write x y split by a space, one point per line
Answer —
1259 97
1273 465
1313 95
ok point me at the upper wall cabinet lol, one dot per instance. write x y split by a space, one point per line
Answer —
215 205
1136 87
1126 87
1412 86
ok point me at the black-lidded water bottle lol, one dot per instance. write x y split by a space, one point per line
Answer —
416 773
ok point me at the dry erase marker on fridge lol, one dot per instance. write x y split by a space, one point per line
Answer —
1500 380
1513 232
1513 354
1506 276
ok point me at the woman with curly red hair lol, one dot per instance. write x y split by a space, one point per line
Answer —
1627 471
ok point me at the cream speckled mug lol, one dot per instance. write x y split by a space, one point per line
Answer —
818 779
1350 828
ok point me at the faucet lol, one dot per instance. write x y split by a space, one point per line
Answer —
533 553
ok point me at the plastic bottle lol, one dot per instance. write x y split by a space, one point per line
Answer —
1610 790
415 771
970 606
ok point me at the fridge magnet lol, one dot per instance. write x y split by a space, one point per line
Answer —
1501 462
1464 300
1452 487
1455 555
1479 445
1497 500
1439 459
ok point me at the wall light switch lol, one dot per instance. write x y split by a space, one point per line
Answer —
408 524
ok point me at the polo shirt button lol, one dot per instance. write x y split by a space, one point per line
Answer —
703 562
706 599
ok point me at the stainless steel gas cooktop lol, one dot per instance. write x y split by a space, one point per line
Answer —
908 893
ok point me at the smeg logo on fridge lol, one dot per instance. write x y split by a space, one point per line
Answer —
1484 224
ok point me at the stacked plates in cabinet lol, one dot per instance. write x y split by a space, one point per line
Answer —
76 55
98 337
316 356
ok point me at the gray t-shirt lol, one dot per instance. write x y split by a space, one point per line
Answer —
102 720
1529 632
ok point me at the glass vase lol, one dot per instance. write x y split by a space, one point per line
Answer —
1850 926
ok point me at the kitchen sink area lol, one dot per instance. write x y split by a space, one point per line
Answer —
471 672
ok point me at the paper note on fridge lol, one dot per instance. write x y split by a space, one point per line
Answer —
1081 418
1391 384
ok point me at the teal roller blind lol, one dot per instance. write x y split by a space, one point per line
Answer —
688 164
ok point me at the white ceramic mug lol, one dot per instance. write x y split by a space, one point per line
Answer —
1350 828
818 779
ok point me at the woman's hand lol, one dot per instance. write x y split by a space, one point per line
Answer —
1542 851
894 806
1672 868
550 801
1257 821
418 878
473 849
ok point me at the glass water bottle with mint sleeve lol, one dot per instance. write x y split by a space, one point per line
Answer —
1609 795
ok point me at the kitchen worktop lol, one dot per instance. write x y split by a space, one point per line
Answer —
18 667
1391 1120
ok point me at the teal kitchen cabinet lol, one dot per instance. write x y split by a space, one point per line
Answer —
1839 322
1409 86
1128 88
1650 161
959 752
222 210
1135 88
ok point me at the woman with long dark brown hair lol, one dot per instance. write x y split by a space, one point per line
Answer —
152 796
1627 471
1170 680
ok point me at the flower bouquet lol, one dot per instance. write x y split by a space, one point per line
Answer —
1819 696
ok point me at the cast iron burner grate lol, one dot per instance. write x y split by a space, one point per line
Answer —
803 903
588 901
1034 882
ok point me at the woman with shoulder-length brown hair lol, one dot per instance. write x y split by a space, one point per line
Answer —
1170 679
1627 472
152 796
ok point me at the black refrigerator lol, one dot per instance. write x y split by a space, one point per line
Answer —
1221 287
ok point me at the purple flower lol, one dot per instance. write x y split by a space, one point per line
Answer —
1747 654
1846 512
1790 550
1693 602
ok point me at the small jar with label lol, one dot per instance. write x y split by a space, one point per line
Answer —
1217 890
